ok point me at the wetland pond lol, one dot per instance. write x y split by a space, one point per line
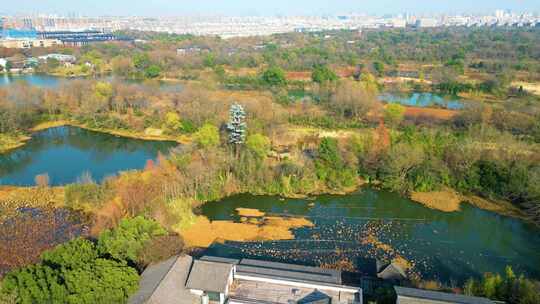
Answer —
53 82
66 153
411 99
368 224
424 99
37 80
373 224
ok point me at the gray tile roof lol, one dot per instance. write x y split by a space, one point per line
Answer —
289 271
209 276
250 301
439 296
163 283
211 258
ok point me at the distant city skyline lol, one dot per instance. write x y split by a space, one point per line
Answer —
259 8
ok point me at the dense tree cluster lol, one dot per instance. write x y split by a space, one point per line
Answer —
510 288
81 271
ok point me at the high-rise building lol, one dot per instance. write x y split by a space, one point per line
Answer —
427 22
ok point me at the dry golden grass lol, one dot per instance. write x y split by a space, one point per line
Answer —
501 207
298 133
183 139
343 264
289 222
9 142
239 96
440 114
153 131
429 285
449 200
147 134
247 212
346 72
391 80
371 239
402 262
50 124
446 200
532 87
204 232
243 71
298 75
374 241
12 198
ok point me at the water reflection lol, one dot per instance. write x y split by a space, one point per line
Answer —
42 81
53 82
424 99
443 246
65 153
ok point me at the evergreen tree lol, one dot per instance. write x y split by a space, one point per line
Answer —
83 272
72 273
237 125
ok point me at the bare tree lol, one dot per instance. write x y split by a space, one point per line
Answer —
353 100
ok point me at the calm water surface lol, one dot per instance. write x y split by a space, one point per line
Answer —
65 153
444 246
43 81
52 82
424 99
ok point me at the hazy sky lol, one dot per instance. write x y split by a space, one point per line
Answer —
260 7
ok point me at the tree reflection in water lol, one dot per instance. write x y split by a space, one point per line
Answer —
66 152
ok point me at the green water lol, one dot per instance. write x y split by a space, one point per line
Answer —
66 153
444 246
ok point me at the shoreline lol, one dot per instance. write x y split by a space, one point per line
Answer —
18 142
21 140
449 200
445 200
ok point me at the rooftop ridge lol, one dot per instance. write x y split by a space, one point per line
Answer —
440 296
289 267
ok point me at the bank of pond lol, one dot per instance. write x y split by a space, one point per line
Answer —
424 100
52 82
357 231
366 225
66 153
375 225
412 99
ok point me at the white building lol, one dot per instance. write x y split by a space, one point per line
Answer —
182 280
28 43
60 57
398 22
427 22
